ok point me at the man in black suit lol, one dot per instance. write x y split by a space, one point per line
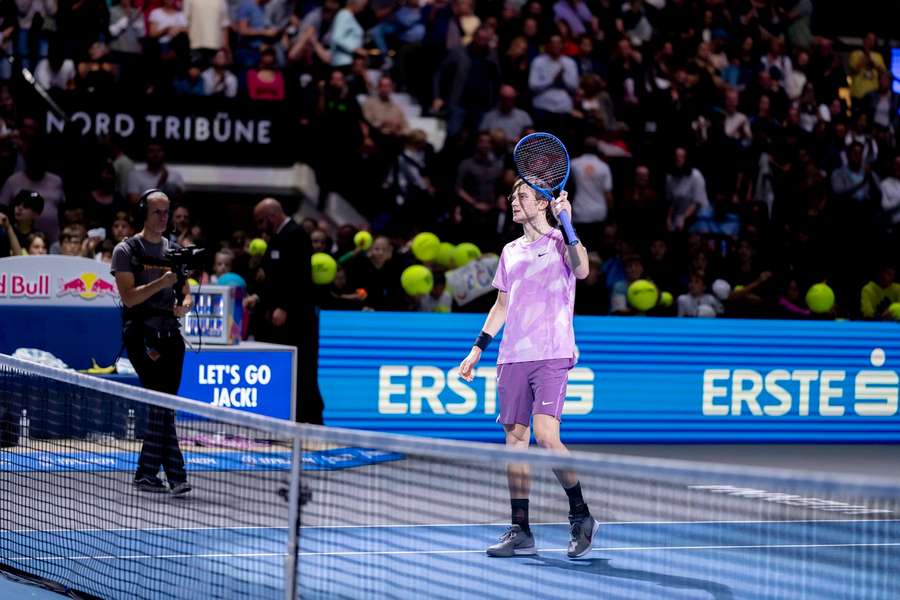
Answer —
287 309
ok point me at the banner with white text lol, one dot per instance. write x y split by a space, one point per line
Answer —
647 380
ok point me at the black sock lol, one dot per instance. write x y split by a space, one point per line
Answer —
520 513
577 506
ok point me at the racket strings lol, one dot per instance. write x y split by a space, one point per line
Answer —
542 162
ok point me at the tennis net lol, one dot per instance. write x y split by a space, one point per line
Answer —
390 516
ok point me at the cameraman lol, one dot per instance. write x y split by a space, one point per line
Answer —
152 337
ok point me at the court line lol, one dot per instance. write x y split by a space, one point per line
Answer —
439 552
409 525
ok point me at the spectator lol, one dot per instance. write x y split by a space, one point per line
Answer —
316 24
265 82
467 83
405 24
855 183
879 294
36 244
506 115
736 125
882 105
103 201
643 214
122 227
166 23
438 300
577 16
254 29
476 185
27 208
30 37
223 263
409 181
97 73
382 113
190 82
553 79
9 241
56 72
36 177
377 272
127 31
156 175
321 241
345 37
217 79
618 299
73 240
791 304
181 223
799 16
207 26
890 198
685 192
593 185
866 67
698 303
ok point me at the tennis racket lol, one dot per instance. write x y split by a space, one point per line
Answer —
543 163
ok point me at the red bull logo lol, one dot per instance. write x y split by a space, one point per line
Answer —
87 286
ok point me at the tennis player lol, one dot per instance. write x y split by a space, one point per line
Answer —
536 299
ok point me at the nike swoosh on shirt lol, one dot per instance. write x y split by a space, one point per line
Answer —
540 255
546 403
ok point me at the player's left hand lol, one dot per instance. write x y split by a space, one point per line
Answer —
182 310
279 316
561 204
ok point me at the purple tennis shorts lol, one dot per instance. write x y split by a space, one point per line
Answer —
536 387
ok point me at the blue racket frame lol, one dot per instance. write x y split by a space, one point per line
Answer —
565 221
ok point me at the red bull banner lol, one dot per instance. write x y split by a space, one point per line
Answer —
56 281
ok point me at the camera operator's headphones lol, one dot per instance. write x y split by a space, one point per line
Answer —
142 203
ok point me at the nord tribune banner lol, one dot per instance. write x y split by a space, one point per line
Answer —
193 130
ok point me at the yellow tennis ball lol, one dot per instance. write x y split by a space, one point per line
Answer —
363 240
417 280
258 247
192 281
894 311
324 268
444 254
642 294
820 298
465 253
665 299
425 246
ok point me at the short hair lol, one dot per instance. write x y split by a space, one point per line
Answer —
30 200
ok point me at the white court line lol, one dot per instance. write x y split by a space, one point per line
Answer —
439 552
408 525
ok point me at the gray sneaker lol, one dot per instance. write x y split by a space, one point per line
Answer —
514 542
181 489
582 532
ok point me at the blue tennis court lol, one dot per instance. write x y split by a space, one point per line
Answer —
845 558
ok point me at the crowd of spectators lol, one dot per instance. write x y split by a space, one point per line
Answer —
711 139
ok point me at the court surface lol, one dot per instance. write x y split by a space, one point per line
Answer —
421 534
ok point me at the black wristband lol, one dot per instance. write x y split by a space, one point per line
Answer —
483 340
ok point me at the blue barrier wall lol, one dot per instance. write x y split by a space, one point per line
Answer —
637 379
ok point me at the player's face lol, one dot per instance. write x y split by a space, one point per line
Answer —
526 204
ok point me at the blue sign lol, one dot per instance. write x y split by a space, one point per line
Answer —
335 459
651 380
257 382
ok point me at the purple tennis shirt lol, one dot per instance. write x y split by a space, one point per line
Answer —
541 300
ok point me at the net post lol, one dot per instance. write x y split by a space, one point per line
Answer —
293 540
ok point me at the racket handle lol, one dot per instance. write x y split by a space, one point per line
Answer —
567 229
